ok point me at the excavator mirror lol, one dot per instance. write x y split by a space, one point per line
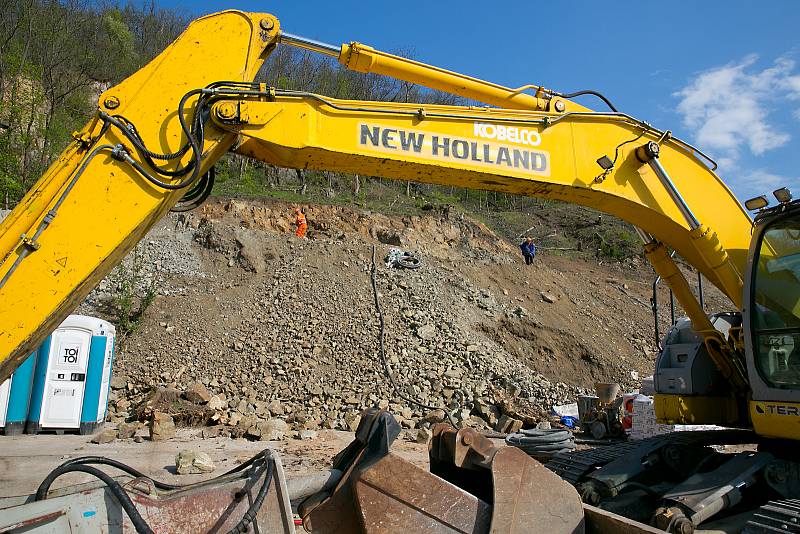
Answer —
783 195
756 203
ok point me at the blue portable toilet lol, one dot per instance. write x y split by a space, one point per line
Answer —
15 397
72 377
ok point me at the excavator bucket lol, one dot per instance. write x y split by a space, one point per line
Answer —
473 487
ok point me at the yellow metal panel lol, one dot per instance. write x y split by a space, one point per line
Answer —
111 207
776 419
682 410
304 132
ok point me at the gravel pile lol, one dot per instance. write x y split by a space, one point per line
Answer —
168 252
279 329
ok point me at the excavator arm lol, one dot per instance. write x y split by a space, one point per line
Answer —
157 133
542 154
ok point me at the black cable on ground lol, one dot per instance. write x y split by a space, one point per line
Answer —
386 370
262 465
542 444
123 499
409 261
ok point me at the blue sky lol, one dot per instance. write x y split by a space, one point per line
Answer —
723 75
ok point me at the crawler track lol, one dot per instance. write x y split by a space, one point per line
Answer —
574 466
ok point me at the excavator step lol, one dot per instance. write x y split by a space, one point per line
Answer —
775 516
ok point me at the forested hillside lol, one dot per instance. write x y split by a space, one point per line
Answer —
57 56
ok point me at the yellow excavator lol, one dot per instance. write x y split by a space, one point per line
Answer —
151 147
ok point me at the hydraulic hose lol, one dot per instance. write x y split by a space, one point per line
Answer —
102 460
131 134
542 444
261 465
116 489
382 352
198 194
593 93
250 515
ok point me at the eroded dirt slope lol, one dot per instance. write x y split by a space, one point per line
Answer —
281 327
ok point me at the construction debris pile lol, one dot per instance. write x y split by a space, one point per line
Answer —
317 372
257 334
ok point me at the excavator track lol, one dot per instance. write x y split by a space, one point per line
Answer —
574 466
775 516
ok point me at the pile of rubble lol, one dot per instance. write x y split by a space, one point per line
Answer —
260 335
311 362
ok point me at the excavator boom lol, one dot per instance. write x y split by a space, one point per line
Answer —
543 154
151 141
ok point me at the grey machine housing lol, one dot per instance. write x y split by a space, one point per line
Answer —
684 367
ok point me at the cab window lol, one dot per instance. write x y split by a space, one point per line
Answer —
775 314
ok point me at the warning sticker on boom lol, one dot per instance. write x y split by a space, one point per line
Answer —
492 156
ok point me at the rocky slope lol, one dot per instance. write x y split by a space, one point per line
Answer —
274 327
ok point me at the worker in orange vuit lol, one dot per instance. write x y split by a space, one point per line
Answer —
300 221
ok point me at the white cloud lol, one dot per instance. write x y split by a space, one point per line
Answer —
739 108
728 108
750 183
767 181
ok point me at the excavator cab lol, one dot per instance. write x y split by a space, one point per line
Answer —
772 321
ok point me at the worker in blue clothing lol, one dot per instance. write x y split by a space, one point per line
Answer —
528 250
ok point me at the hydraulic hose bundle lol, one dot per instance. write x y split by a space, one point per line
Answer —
259 465
542 444
200 186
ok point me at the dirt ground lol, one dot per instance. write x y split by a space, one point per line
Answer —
26 460
242 296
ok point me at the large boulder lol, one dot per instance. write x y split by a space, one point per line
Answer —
269 430
251 250
127 430
162 427
188 462
217 403
387 236
197 393
106 435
